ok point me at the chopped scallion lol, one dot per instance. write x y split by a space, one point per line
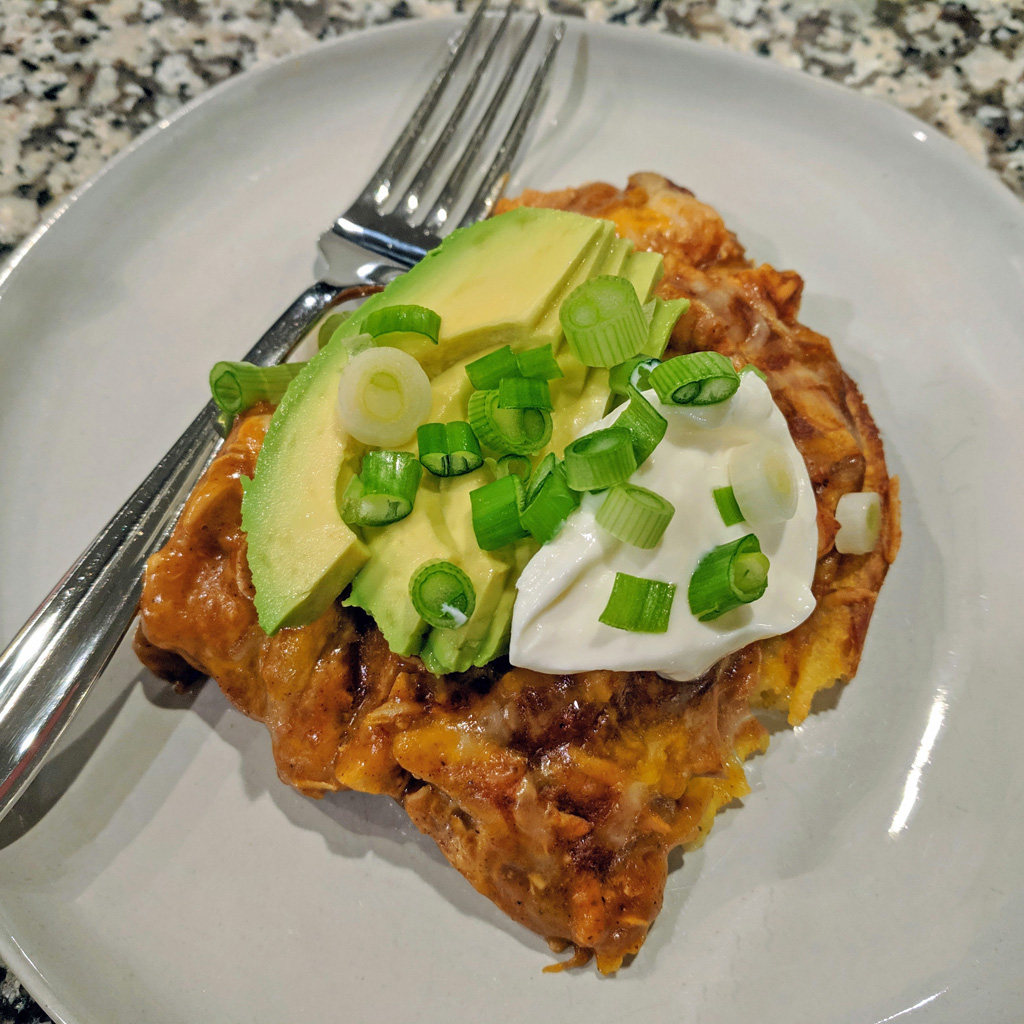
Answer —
449 449
239 386
603 321
728 576
385 490
496 509
547 465
599 459
698 378
639 605
859 515
764 482
751 368
522 393
404 319
728 509
645 424
383 396
487 372
442 594
508 431
635 515
633 373
539 363
518 464
549 503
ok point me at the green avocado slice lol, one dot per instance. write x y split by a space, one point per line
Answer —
300 553
491 283
644 269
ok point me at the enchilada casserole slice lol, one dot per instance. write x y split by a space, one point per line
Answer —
557 797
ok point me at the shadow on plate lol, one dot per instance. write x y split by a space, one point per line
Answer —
352 824
75 749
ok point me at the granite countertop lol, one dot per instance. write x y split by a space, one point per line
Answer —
79 79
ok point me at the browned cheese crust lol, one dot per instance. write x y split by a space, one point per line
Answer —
558 797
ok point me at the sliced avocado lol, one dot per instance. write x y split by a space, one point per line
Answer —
491 284
644 269
382 590
549 327
486 634
621 249
301 554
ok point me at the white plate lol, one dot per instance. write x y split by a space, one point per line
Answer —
875 871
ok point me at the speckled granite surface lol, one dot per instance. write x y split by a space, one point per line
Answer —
79 79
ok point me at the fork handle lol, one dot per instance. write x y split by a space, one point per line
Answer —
59 653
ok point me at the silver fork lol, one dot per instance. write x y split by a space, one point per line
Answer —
47 670
402 229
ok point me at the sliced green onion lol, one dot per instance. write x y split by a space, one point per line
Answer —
239 386
383 396
603 321
329 326
751 368
547 466
404 319
496 508
639 605
487 372
728 509
521 393
662 315
508 431
449 449
442 594
645 424
432 440
464 454
728 576
859 514
600 459
764 482
539 363
699 378
633 373
518 464
550 503
357 343
385 490
635 515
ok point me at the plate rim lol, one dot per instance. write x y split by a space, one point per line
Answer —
20 964
949 148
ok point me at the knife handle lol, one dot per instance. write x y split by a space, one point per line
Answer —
49 667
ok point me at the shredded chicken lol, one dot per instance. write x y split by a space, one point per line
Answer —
558 797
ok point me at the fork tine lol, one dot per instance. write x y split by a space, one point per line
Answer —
435 219
497 175
379 187
436 154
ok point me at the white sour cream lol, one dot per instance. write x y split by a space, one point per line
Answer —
565 586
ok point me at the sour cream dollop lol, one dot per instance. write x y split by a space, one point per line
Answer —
566 585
